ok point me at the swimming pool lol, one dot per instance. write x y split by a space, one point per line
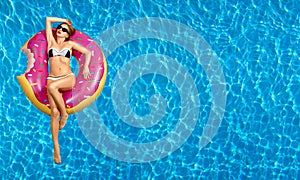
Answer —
210 89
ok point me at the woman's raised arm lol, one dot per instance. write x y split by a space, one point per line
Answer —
49 21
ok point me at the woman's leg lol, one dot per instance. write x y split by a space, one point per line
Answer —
54 125
54 88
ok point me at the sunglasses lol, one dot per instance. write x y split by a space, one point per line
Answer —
63 29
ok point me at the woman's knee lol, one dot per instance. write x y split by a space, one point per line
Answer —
51 87
55 113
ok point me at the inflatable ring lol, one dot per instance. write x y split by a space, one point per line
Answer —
33 81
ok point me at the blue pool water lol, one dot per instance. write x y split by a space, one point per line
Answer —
251 81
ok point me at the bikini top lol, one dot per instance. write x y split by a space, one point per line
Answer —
64 52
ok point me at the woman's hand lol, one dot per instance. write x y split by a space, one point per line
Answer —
69 22
86 73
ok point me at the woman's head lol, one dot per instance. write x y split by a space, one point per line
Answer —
65 30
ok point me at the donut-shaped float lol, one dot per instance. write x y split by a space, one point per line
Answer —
34 80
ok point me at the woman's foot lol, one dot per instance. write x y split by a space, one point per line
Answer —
56 156
63 121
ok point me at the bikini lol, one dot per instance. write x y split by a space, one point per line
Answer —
64 52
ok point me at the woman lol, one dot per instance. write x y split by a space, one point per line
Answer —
61 78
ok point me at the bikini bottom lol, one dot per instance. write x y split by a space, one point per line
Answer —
55 78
